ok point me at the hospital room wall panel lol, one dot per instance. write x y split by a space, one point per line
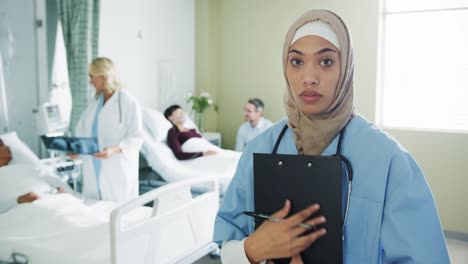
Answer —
153 45
249 44
26 73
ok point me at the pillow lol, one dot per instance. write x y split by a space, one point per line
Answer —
156 123
19 179
21 152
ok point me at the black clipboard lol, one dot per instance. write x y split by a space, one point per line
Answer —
304 180
78 145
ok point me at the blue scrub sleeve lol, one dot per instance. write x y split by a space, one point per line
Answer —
231 223
411 230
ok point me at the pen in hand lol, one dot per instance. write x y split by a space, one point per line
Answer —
274 219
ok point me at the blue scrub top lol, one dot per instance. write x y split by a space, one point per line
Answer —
94 134
392 215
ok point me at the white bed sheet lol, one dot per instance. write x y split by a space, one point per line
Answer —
61 229
221 166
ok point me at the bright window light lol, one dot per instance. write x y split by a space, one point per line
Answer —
60 92
424 73
392 6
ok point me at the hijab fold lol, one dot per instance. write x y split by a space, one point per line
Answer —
313 133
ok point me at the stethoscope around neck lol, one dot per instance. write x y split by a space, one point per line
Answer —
345 161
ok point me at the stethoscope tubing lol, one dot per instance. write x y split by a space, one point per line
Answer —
349 168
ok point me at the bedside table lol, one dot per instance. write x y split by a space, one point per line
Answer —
213 137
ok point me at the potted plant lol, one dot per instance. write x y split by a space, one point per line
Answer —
199 105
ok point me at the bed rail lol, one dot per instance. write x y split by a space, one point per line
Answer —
179 226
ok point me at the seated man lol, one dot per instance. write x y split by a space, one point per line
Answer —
254 124
5 205
179 134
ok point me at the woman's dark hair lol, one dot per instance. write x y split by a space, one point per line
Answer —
170 110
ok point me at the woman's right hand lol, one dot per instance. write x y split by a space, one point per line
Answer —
283 239
72 155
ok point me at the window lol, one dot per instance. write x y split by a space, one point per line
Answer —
424 59
60 93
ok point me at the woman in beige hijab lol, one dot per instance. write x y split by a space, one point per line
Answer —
388 217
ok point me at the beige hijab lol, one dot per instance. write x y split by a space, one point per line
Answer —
313 133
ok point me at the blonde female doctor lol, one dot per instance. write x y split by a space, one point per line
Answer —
114 118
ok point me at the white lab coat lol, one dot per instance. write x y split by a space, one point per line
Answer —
118 177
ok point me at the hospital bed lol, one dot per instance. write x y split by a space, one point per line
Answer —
162 160
62 228
58 229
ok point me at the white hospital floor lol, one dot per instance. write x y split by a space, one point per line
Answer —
458 251
209 260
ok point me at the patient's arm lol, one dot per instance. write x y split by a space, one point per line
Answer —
174 143
6 205
55 182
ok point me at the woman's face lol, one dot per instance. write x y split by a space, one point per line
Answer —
313 71
177 117
98 82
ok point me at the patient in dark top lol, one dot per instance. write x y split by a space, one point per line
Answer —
178 134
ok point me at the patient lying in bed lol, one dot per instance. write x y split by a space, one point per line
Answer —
34 183
62 228
178 135
36 219
162 159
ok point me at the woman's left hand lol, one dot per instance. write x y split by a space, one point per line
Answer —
107 152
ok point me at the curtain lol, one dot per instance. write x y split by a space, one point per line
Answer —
80 27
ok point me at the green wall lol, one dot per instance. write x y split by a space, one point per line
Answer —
207 54
238 56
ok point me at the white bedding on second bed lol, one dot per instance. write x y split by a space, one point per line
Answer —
221 166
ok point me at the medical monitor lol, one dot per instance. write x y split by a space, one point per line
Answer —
50 120
53 115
